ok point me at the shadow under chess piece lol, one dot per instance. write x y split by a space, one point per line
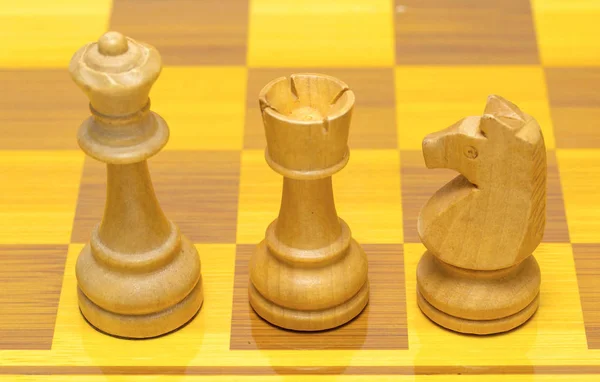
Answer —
139 276
308 273
349 336
478 275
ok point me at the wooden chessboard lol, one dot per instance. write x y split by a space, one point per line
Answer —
416 66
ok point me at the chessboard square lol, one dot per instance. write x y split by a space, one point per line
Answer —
196 189
419 184
587 261
343 33
538 338
34 34
254 131
432 98
203 106
368 197
208 331
580 189
51 127
373 128
573 87
575 106
30 280
567 32
39 195
373 119
382 325
432 32
187 32
577 127
259 197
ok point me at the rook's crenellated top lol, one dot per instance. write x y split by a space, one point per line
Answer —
307 120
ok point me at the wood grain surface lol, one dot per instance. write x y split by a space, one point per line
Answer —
30 278
587 257
39 195
187 32
313 33
566 32
575 104
579 171
465 32
52 123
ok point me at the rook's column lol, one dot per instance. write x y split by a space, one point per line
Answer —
138 277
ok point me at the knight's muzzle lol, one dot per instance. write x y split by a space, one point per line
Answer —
434 151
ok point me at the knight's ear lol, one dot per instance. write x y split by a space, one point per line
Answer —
501 107
490 125
501 114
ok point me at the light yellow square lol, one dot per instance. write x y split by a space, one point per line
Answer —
203 106
556 330
259 197
580 180
39 196
366 193
368 196
340 33
208 333
567 32
41 33
431 98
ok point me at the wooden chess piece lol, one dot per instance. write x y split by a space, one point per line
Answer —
139 276
308 273
478 274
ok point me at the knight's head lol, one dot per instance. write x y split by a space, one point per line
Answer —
474 146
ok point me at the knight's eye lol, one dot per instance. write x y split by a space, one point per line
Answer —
471 152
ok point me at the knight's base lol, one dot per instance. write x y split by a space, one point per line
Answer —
480 327
475 301
146 325
309 320
478 295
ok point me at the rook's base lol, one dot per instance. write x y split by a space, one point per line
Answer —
309 290
309 320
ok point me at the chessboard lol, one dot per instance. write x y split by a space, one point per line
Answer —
415 66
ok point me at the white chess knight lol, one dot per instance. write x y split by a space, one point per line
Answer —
486 222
